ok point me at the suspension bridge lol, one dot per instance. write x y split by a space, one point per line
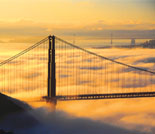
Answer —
58 70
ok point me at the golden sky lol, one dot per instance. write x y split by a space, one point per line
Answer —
41 17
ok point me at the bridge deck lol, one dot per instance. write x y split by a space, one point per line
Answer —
106 96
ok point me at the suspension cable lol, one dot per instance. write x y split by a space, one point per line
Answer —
23 52
92 53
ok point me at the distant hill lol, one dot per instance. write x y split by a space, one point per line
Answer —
148 44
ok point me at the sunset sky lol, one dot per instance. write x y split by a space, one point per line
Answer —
22 19
93 66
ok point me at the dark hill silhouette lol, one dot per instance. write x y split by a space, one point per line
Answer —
9 105
13 110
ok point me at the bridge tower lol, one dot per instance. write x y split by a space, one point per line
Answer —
111 39
51 89
133 42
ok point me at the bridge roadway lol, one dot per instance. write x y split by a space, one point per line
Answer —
105 96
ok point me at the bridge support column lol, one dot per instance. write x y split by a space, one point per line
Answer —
51 91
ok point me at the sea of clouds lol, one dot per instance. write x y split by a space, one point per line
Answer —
42 121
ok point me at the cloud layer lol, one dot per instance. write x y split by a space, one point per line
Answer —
58 123
28 30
